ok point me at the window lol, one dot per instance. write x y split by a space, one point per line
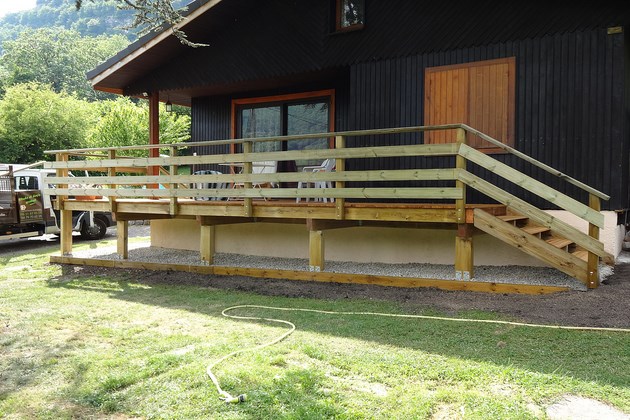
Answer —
350 14
479 94
305 113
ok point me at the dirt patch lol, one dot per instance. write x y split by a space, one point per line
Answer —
574 407
606 306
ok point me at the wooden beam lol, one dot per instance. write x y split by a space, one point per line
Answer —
460 164
122 242
207 243
543 191
65 224
324 224
464 256
173 185
327 277
436 193
316 250
340 167
545 219
593 259
449 149
279 177
141 216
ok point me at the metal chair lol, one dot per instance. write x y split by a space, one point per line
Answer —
208 185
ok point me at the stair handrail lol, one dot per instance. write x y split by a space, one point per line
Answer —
537 163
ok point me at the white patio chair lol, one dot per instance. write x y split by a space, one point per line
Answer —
326 166
262 167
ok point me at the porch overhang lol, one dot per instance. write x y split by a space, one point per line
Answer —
148 53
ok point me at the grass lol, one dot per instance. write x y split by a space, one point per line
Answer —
109 346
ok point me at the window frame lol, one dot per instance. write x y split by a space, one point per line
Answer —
349 28
283 100
510 99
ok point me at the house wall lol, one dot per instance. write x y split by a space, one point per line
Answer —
569 111
362 244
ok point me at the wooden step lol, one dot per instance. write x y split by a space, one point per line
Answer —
581 254
559 242
535 230
513 218
537 248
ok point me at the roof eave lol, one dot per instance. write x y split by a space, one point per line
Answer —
143 45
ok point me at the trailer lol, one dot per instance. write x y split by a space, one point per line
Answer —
27 211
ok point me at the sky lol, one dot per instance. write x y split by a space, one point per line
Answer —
9 6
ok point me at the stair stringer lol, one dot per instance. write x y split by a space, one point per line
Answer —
531 245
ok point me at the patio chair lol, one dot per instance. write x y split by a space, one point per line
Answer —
208 185
327 165
262 167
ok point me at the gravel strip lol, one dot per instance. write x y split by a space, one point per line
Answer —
142 252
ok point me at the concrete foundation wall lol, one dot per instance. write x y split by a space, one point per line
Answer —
362 244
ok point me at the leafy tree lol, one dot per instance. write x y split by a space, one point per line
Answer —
58 58
150 15
123 123
34 118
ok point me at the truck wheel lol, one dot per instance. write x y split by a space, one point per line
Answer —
97 231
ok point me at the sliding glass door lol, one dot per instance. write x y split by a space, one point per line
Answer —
285 116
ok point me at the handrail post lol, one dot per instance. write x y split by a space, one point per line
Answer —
463 240
111 171
65 222
340 166
460 164
593 259
173 184
247 169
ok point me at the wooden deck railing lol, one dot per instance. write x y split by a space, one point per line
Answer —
124 177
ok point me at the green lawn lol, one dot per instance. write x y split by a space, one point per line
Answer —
77 346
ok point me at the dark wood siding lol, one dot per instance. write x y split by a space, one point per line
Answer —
569 107
210 121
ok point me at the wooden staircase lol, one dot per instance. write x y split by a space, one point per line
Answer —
536 240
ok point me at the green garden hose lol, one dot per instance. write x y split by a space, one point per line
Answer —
228 398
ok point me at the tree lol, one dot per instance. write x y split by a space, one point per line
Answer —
58 58
123 123
150 15
34 118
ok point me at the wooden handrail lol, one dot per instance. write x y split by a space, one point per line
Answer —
537 163
373 132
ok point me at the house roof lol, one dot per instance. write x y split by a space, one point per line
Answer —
255 44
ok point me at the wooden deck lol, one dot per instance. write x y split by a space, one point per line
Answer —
140 188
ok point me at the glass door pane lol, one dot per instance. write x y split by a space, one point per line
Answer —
263 121
308 118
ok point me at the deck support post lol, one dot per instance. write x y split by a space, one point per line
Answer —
464 262
316 250
593 259
122 242
207 243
